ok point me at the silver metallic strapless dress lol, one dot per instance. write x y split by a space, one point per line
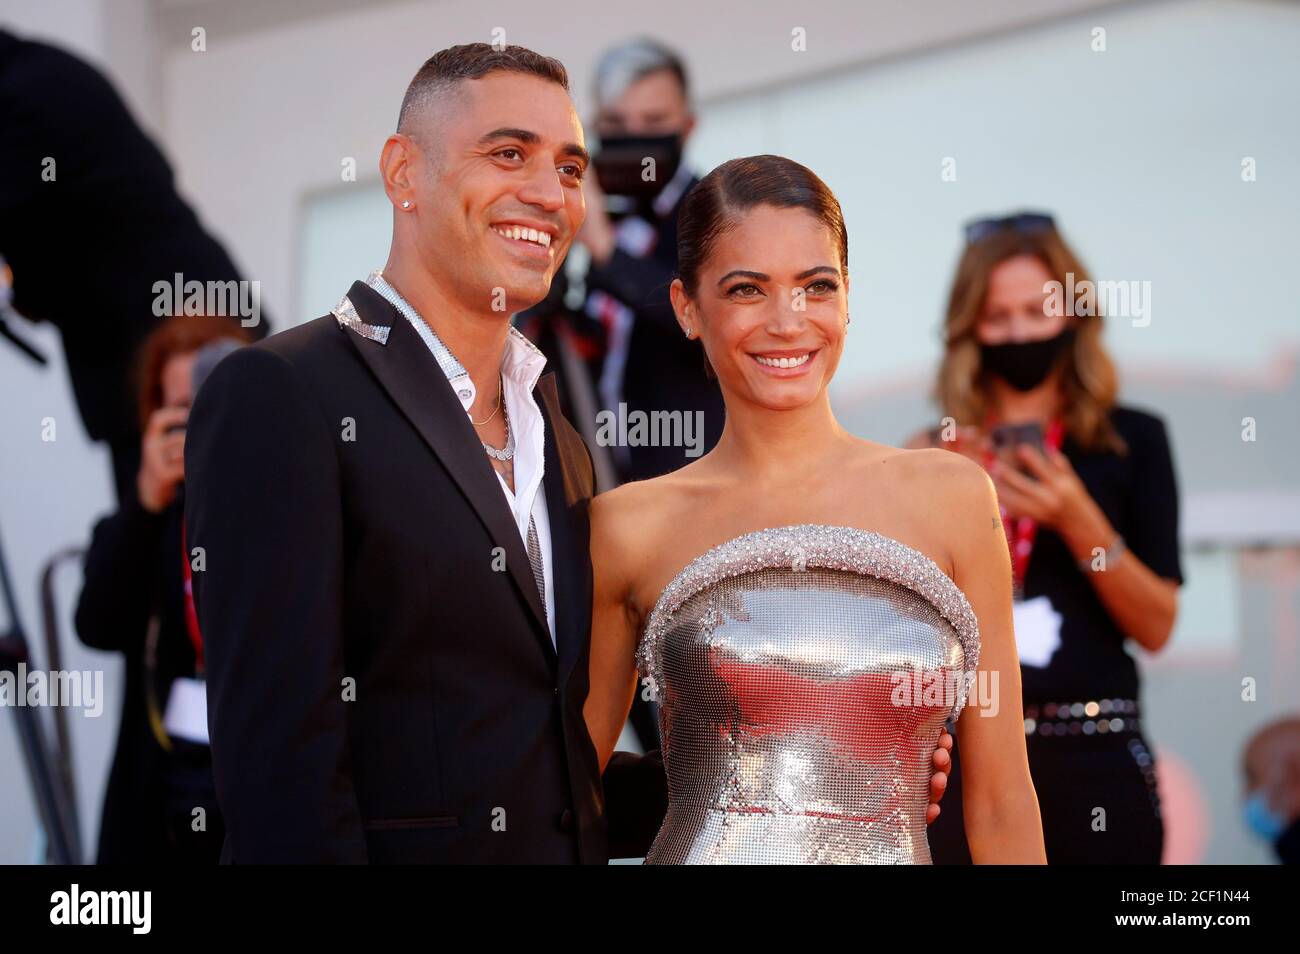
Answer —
804 674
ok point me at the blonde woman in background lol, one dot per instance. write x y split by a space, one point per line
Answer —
1089 504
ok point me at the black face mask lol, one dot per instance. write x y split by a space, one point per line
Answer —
1025 364
621 166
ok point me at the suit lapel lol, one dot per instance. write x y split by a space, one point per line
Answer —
564 485
408 372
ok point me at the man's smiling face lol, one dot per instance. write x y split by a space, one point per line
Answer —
502 189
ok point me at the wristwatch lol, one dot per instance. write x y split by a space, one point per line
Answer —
1108 557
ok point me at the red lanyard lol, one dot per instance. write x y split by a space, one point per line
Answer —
191 614
1022 530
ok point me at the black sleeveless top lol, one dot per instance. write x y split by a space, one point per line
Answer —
1138 493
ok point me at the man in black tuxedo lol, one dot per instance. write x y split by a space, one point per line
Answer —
395 588
387 522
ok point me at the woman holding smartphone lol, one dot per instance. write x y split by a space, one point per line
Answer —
136 600
1089 506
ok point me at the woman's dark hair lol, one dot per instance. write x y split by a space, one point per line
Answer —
181 334
720 199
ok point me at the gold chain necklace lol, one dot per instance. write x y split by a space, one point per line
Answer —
500 390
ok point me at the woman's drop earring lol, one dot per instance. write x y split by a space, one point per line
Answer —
688 331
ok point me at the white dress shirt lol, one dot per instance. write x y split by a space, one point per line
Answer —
521 365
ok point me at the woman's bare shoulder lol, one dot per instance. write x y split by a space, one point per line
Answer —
654 495
957 491
628 501
937 496
626 517
628 527
934 468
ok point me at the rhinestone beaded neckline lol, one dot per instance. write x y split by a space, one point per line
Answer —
804 545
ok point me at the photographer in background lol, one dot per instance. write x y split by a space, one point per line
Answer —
625 327
90 220
1090 510
136 601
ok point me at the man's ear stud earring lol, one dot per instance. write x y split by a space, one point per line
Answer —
406 203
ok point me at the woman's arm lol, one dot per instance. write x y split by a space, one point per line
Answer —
614 630
1000 806
1142 604
119 574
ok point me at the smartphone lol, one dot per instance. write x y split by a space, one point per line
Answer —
1006 438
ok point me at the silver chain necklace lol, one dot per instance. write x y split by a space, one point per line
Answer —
507 452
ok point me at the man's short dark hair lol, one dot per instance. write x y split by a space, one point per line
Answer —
445 69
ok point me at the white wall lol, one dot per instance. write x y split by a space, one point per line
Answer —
1137 149
265 118
51 491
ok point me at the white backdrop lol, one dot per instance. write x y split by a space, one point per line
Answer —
1137 149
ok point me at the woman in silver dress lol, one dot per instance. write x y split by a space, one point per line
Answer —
807 607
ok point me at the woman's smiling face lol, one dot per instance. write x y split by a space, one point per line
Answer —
770 307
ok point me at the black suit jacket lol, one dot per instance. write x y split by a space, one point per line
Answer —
377 690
